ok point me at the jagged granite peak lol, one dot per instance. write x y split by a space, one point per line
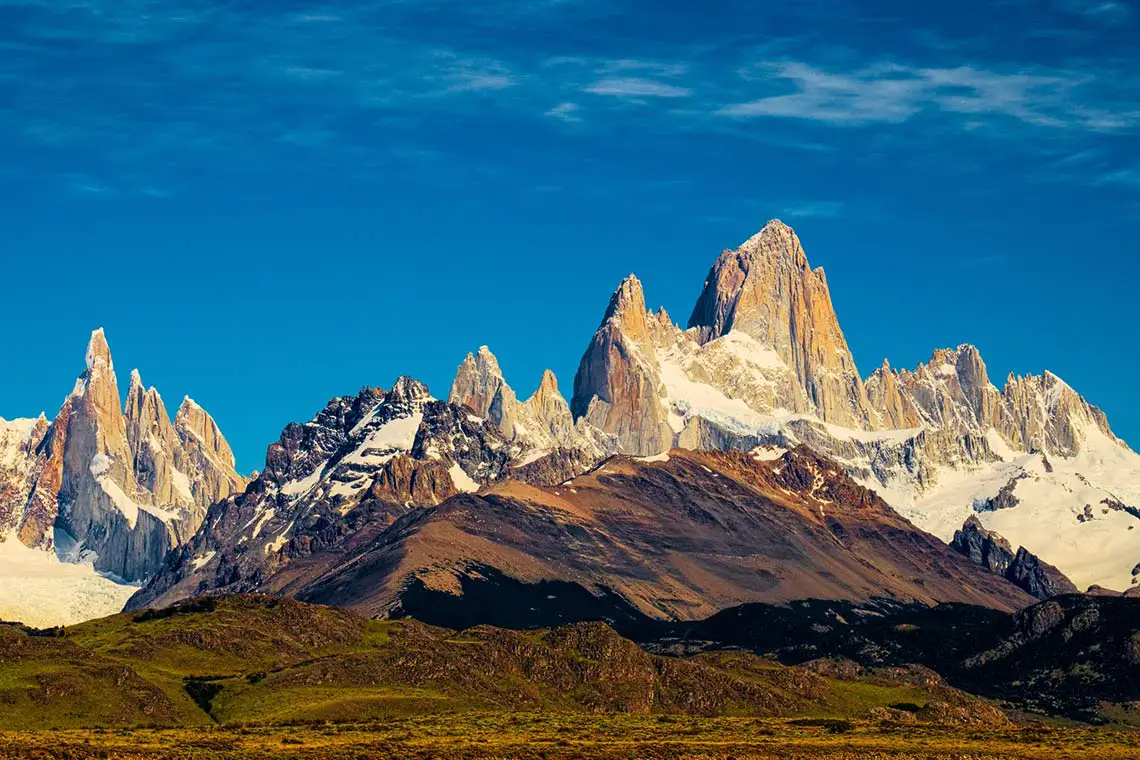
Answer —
408 390
199 431
893 406
479 385
116 477
1024 569
543 423
618 387
547 404
1046 414
627 310
152 441
19 440
98 354
767 290
953 393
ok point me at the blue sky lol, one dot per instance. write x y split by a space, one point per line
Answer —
267 204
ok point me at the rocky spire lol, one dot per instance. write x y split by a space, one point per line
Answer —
894 407
617 385
195 427
627 312
543 421
153 443
953 394
124 481
1045 414
479 385
96 425
548 411
406 390
766 289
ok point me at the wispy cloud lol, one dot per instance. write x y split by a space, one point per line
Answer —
81 184
1127 176
567 112
813 210
880 94
475 75
636 87
1111 12
133 89
894 93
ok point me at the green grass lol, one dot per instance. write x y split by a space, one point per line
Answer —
854 699
329 703
419 689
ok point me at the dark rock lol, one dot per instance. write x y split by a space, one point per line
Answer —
1023 568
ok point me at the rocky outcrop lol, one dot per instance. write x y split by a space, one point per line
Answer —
1045 414
123 481
479 385
1022 568
1073 655
953 394
19 440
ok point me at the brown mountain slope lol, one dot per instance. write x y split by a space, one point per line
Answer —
679 537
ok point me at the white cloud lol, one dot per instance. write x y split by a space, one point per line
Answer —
882 94
474 75
567 112
636 87
893 93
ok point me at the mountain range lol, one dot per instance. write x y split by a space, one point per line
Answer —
740 458
93 500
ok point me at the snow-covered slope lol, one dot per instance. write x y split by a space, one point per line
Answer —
38 589
1078 513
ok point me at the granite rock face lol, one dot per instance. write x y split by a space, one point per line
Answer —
618 388
124 483
767 290
19 440
542 423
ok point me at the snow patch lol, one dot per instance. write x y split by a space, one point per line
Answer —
259 521
41 590
767 453
532 456
278 542
305 484
386 441
182 484
662 457
462 480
